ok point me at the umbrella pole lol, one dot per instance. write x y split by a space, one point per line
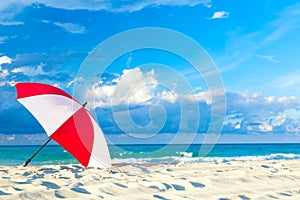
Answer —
29 159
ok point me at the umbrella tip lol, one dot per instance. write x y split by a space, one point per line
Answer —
83 105
26 162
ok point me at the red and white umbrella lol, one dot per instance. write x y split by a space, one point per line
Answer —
67 122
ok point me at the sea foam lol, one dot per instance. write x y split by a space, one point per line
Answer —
187 157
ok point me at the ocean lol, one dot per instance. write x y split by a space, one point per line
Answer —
56 155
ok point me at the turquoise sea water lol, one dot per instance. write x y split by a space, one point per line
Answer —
54 154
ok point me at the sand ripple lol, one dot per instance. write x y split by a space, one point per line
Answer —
221 181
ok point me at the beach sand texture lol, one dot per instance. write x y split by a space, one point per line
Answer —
208 180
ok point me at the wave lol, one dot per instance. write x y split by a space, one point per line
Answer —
187 157
185 154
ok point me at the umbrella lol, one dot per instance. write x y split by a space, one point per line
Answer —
67 122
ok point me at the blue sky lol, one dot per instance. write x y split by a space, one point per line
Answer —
254 44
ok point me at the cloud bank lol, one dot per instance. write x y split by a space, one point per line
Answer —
135 96
111 6
136 92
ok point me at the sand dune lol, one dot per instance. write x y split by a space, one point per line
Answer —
222 181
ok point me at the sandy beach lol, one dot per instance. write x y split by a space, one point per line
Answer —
209 180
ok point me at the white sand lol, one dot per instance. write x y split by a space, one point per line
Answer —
232 180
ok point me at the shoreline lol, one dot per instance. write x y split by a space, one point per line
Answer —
271 179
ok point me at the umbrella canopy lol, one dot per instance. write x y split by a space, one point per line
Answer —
67 122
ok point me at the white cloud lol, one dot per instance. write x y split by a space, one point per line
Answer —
112 6
287 99
30 71
278 120
220 15
282 99
258 98
71 28
234 120
10 23
5 60
133 87
204 96
11 137
292 113
268 57
11 83
4 72
265 127
99 96
74 80
257 113
139 5
169 96
7 20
